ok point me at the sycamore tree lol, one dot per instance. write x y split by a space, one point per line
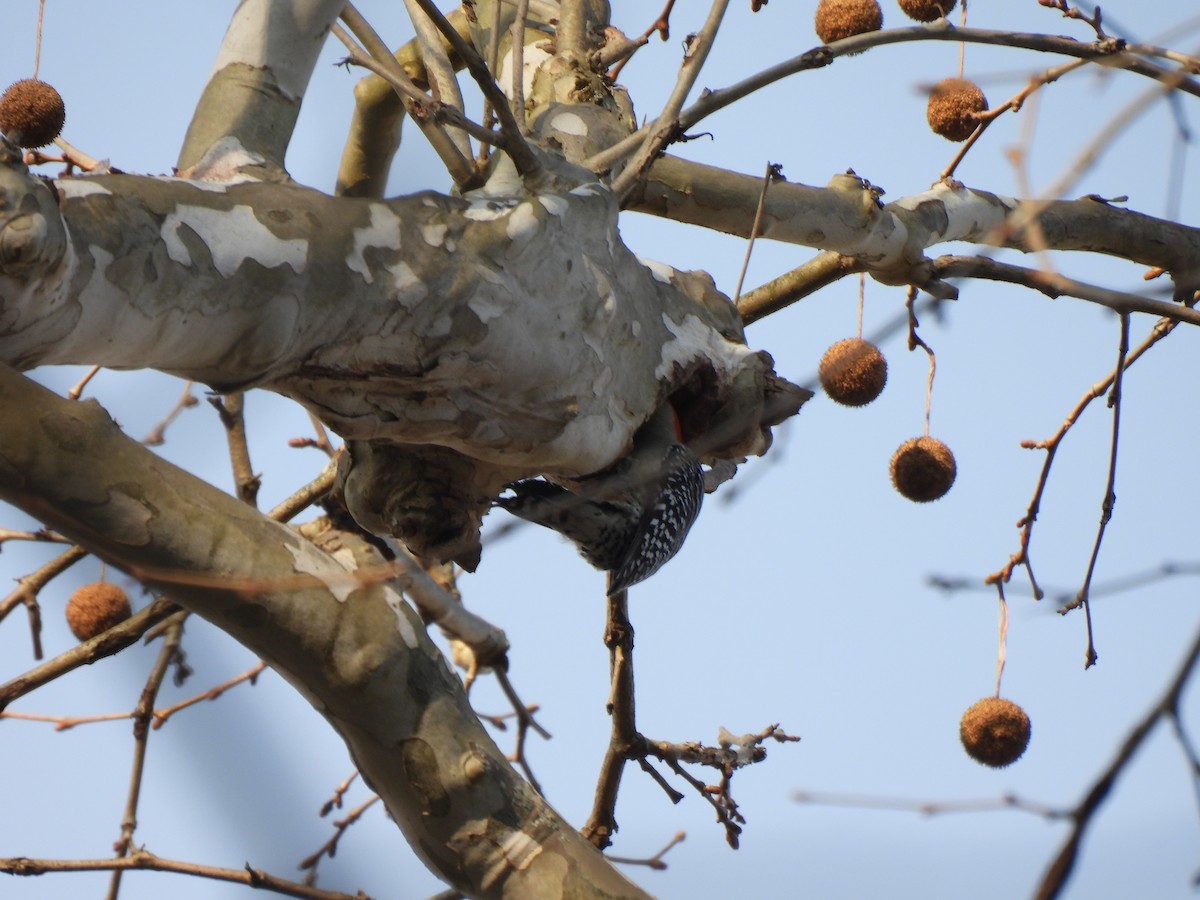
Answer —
436 340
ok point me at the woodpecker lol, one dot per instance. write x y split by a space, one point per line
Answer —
630 519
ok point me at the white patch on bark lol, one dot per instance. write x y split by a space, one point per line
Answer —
569 123
522 225
591 189
410 289
222 163
384 231
532 58
660 270
338 580
693 339
554 204
396 604
488 209
228 235
434 235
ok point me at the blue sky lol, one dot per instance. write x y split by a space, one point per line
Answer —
803 601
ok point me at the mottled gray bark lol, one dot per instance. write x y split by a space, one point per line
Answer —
320 614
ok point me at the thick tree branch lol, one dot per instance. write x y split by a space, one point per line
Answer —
343 637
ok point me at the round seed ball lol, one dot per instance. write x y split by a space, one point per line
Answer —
32 113
994 732
952 109
837 19
923 469
95 608
927 10
853 372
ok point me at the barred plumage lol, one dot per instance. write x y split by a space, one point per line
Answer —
636 516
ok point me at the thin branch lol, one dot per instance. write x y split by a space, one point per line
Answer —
141 733
439 71
667 126
654 862
160 716
618 637
1021 558
1108 53
518 66
1060 869
146 861
329 849
930 807
231 408
415 100
1054 285
1110 496
306 496
158 433
103 645
30 585
513 142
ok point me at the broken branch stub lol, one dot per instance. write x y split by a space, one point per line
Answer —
503 335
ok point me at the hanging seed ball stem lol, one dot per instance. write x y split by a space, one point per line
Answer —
954 105
838 19
853 372
995 732
923 469
31 113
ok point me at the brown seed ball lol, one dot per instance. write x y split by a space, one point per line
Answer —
923 469
994 732
837 19
853 372
95 608
927 10
953 103
32 113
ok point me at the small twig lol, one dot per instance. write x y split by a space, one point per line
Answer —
329 849
141 716
1021 558
661 26
251 676
439 71
518 66
103 645
666 127
144 860
513 143
618 637
335 802
654 862
307 495
525 721
231 409
28 588
158 433
77 391
1053 285
1110 497
460 168
930 807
